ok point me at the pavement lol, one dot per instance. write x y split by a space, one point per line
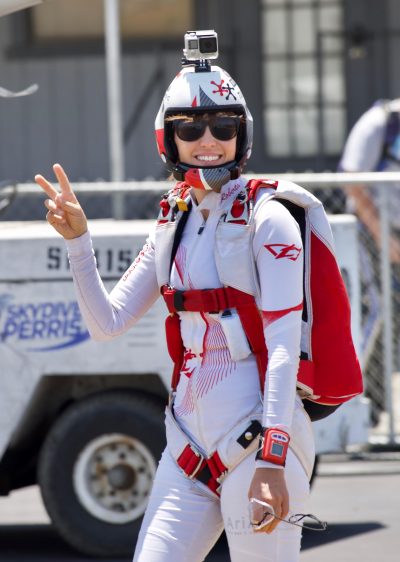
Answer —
359 463
358 494
359 497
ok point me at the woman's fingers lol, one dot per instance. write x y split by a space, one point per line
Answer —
54 218
265 529
64 214
66 195
53 207
72 208
47 187
63 180
272 526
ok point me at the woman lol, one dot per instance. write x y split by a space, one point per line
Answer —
212 232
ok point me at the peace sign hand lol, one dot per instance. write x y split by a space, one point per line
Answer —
65 214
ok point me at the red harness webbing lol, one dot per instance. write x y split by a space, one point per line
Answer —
253 186
213 301
193 463
333 374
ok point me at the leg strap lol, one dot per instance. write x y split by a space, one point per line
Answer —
211 469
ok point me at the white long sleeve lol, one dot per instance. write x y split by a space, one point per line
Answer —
108 315
279 254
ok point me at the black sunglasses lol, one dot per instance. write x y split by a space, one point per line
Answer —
223 128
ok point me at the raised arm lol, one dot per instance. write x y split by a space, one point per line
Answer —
64 214
106 315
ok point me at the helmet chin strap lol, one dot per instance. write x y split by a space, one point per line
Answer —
210 179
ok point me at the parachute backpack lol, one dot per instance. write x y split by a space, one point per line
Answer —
329 371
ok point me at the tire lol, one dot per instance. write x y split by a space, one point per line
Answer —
96 469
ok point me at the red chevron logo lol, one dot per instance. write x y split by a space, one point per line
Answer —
280 251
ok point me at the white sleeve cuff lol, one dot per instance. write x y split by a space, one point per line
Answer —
266 464
79 247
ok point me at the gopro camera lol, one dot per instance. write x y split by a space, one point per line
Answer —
201 45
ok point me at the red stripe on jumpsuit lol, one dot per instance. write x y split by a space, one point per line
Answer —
215 366
217 363
269 316
180 261
146 248
187 404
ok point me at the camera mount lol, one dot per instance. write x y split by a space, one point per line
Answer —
200 48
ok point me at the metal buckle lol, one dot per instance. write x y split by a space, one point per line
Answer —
222 476
197 468
171 398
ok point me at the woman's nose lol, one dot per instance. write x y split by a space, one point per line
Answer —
207 137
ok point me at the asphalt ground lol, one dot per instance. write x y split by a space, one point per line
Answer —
358 495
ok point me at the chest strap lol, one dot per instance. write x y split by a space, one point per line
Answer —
213 301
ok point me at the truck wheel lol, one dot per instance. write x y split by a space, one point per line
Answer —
96 469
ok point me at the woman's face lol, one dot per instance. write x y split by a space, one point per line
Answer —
207 151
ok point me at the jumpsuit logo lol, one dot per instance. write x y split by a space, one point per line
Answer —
280 251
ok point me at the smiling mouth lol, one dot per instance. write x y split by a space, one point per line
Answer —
208 158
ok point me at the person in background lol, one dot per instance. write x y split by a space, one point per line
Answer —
373 144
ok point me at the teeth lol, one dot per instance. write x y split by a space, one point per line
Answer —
207 158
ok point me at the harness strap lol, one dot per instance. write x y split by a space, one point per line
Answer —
175 346
253 187
191 461
213 301
205 300
252 324
179 230
210 470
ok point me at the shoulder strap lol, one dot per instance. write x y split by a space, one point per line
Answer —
253 187
179 232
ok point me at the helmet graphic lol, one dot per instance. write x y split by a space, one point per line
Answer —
199 89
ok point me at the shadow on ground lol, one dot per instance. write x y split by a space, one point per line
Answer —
41 543
337 532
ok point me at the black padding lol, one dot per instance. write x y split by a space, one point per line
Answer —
255 428
178 233
204 475
318 411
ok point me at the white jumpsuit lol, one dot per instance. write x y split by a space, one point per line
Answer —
184 518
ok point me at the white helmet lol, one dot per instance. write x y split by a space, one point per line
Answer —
199 89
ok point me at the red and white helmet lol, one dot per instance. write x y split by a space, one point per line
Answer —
198 90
